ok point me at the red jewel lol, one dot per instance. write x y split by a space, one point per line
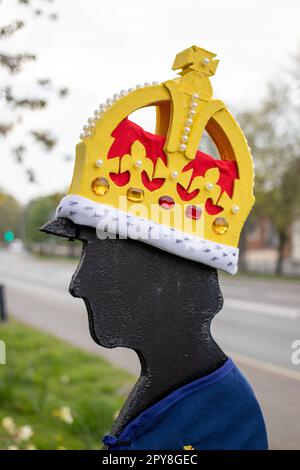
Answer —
193 212
167 202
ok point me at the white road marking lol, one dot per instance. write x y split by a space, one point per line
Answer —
265 366
262 308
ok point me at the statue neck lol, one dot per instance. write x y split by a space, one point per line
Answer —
168 365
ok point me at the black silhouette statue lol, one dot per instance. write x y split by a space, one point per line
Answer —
189 394
153 302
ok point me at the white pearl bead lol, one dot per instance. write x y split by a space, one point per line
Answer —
192 112
91 120
206 61
138 163
174 175
116 97
138 86
88 133
96 114
123 92
130 90
209 186
92 125
85 127
195 96
187 130
194 104
102 108
155 83
109 101
184 138
235 209
81 135
189 121
99 163
147 84
182 147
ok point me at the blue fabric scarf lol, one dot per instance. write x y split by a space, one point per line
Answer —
216 412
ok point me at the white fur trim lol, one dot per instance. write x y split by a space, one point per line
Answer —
83 211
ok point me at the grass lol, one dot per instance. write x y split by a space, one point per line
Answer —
43 374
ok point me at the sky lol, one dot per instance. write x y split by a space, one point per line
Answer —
98 47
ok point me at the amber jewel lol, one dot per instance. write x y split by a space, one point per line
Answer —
100 186
220 225
193 212
167 202
135 194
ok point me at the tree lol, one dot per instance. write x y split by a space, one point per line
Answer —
15 104
37 213
10 215
272 130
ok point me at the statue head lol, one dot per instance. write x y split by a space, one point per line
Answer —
136 295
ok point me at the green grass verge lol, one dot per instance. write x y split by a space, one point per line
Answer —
43 374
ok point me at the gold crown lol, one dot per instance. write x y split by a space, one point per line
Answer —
184 110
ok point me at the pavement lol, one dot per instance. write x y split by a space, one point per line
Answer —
256 327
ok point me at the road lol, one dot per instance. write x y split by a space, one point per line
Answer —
257 326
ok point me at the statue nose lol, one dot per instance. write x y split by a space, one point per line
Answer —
75 287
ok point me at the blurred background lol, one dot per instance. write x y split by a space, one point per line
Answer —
58 61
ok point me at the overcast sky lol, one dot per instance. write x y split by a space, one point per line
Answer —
98 47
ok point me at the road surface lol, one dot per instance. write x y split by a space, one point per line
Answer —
257 326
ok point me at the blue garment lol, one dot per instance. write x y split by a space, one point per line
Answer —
216 412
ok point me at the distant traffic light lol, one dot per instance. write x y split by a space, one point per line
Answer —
9 236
